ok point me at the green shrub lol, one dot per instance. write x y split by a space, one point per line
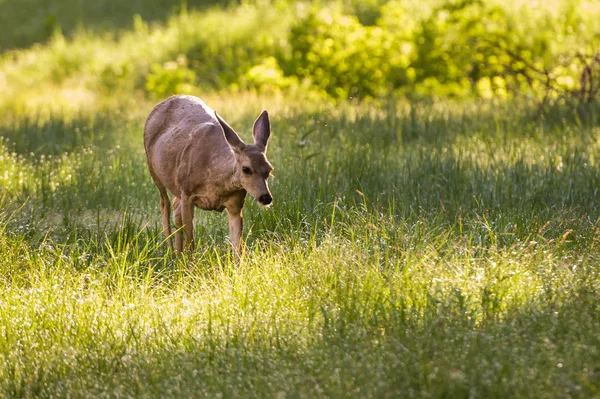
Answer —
344 58
470 47
173 77
343 49
457 49
267 76
115 76
68 60
223 66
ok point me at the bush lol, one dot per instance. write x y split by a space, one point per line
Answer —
173 77
346 59
460 48
266 76
349 49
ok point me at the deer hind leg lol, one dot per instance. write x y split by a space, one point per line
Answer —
178 225
165 209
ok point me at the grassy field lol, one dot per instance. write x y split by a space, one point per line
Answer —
431 249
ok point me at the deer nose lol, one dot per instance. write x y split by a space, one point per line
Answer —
265 199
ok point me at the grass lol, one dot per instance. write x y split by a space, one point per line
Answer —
426 251
414 250
27 22
91 71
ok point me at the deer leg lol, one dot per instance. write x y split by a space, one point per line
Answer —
165 209
236 221
236 227
178 224
187 215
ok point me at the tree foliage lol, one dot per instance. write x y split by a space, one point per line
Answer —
462 48
547 52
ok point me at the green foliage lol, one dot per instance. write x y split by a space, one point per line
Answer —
267 77
114 77
223 66
68 60
173 77
340 50
461 48
346 59
26 22
472 47
367 11
235 49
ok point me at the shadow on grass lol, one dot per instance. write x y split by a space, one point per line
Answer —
57 135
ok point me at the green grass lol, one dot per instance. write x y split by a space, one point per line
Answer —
91 71
434 251
437 249
26 22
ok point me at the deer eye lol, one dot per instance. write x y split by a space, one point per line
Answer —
246 170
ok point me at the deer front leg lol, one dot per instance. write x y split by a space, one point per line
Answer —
187 215
236 227
234 207
178 224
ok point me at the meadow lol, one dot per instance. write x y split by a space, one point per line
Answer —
441 248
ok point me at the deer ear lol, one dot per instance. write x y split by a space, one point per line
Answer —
230 135
262 130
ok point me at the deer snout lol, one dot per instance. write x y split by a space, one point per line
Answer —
265 199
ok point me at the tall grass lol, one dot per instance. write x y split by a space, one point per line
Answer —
424 251
93 70
28 22
435 249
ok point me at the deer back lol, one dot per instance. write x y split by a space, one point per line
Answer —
186 148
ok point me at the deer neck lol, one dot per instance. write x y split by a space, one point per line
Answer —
232 177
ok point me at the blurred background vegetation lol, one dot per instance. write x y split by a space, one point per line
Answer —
542 51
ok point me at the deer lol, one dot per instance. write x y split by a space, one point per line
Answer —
197 157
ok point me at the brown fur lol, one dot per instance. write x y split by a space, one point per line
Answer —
194 154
